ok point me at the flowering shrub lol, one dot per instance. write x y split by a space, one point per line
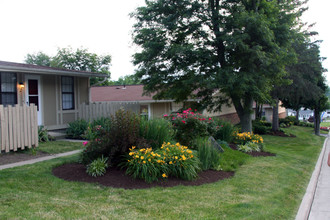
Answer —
169 160
190 125
243 138
325 128
181 162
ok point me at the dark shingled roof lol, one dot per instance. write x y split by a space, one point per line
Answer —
119 93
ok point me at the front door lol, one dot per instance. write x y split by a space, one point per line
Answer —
33 94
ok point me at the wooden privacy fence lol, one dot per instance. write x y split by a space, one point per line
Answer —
96 110
19 127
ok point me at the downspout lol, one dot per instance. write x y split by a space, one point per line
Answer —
90 86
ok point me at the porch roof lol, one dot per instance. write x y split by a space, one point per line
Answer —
44 70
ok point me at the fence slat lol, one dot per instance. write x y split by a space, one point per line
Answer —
18 127
97 110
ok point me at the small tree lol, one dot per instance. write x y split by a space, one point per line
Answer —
79 59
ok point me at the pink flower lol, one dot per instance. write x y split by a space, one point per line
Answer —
183 121
165 115
85 143
210 119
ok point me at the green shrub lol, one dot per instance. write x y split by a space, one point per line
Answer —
189 125
156 131
77 129
288 121
97 128
223 144
95 148
224 130
261 127
43 135
208 155
97 167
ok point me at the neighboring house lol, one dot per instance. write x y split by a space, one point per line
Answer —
157 108
56 92
134 94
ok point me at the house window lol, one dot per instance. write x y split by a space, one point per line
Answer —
8 88
144 111
67 83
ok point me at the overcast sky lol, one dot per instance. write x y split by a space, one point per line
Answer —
101 26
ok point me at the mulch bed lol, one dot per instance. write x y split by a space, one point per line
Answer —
116 178
254 154
13 157
280 134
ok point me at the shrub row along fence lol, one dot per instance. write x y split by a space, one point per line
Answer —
96 110
19 127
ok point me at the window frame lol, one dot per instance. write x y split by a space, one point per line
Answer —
12 93
68 93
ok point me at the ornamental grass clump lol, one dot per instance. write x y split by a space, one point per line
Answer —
170 160
97 167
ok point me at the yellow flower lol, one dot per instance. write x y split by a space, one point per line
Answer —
149 160
177 144
137 156
164 175
142 157
131 153
170 162
144 161
133 147
183 157
176 157
158 161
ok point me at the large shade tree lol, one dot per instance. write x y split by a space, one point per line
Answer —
79 59
236 48
308 88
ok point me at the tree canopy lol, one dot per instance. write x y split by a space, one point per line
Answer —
79 59
236 47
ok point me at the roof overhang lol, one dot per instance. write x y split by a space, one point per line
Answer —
49 71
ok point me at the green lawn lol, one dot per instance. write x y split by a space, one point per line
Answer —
325 124
55 147
262 188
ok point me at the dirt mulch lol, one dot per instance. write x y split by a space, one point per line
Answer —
280 134
14 157
254 154
116 178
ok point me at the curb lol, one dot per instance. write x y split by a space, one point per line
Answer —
22 163
306 204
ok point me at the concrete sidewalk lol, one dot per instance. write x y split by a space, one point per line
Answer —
316 202
22 163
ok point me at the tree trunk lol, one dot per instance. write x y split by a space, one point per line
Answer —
297 114
275 124
244 112
317 121
246 122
